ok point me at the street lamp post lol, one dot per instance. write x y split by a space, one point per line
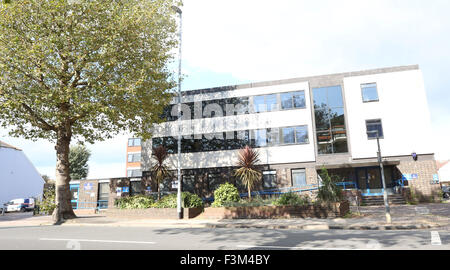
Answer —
380 161
179 209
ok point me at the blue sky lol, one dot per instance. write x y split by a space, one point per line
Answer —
231 42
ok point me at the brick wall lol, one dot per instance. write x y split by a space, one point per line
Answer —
422 187
88 194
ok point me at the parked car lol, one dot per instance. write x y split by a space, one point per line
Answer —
446 191
20 205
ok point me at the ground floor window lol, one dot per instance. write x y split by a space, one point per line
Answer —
136 188
269 179
298 178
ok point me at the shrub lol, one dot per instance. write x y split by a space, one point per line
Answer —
291 199
47 204
225 194
188 200
134 202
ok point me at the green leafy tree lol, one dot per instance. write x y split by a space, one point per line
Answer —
329 191
247 172
78 160
86 69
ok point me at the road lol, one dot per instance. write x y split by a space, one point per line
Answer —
142 238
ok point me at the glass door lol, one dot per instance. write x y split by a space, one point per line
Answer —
74 191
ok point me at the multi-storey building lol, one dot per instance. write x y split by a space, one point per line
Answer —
133 166
299 126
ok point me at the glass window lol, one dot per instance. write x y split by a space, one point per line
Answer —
188 183
335 96
301 134
258 104
134 173
273 136
103 191
374 125
265 103
135 188
292 100
269 179
286 101
288 135
134 142
369 92
136 157
298 178
271 102
260 137
330 120
299 99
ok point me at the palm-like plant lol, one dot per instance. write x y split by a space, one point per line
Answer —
247 172
159 170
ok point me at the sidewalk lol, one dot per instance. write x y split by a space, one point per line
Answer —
404 217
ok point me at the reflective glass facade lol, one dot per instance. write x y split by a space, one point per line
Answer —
236 106
233 140
330 120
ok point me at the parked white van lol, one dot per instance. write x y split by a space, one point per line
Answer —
20 205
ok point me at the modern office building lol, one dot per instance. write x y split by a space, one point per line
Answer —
299 126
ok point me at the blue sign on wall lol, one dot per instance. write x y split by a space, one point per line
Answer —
414 176
88 186
125 189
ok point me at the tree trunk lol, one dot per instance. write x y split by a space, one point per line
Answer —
63 198
249 192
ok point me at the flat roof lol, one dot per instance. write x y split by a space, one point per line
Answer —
301 79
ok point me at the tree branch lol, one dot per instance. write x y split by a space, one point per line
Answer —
41 122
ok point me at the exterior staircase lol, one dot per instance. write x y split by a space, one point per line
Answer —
379 200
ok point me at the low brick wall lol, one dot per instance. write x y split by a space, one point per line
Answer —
308 211
352 195
152 213
82 212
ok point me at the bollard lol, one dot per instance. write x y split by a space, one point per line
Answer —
3 210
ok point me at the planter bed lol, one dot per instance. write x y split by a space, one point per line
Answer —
267 212
152 213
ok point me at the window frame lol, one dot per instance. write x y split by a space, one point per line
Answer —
269 172
292 93
376 90
292 176
381 127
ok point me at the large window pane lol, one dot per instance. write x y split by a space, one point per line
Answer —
259 104
260 136
299 99
301 134
298 178
269 179
322 115
320 97
324 142
273 136
369 92
286 101
374 125
337 118
271 102
335 97
288 135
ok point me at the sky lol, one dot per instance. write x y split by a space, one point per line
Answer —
234 41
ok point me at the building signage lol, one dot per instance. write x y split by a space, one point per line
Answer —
88 186
125 189
119 191
414 176
175 184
